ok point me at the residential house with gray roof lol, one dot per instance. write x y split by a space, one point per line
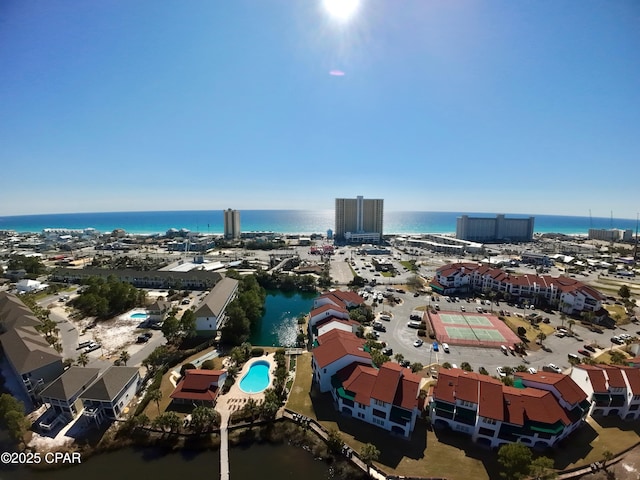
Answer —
109 395
210 315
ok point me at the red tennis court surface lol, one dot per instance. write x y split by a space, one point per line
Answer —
471 329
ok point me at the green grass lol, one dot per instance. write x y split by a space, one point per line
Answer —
387 274
409 265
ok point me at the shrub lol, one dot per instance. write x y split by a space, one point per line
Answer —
186 366
208 365
257 352
422 333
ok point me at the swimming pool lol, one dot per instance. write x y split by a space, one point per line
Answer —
257 378
138 316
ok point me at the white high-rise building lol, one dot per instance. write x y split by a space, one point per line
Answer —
359 220
231 224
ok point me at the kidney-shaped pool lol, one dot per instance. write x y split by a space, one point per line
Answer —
257 378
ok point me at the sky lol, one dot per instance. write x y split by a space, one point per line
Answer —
434 105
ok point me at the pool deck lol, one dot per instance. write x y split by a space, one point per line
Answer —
234 400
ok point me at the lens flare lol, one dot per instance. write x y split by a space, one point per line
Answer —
341 10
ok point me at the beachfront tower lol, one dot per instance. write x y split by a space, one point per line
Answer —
231 224
359 220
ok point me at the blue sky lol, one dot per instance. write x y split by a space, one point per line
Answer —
476 105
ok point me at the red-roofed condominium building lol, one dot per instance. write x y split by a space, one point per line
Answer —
565 293
612 390
388 397
538 411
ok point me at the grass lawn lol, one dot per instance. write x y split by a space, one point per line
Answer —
387 274
605 357
514 322
411 266
615 311
166 387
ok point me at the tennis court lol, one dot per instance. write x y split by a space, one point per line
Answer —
473 329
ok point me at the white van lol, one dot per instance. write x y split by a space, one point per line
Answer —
414 324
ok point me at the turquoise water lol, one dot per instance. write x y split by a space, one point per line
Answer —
278 326
139 315
286 221
257 378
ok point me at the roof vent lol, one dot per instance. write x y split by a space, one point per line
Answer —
451 384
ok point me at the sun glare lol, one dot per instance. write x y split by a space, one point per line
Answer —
341 9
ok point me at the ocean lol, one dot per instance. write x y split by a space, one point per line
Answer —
286 221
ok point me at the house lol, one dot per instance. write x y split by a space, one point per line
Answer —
63 394
336 350
538 411
210 315
199 387
109 395
157 311
613 390
28 354
388 397
25 286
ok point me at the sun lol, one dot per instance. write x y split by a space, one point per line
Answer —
341 9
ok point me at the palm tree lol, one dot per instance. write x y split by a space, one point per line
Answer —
251 410
155 396
571 323
124 357
369 454
607 456
398 357
541 336
83 359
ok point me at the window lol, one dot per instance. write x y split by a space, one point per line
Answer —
487 432
379 413
379 403
490 421
464 403
378 421
360 415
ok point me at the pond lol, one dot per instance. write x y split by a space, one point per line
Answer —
263 461
278 326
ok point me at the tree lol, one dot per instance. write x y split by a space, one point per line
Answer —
124 357
446 365
334 441
522 331
571 323
188 323
542 337
369 453
607 456
171 328
416 367
515 459
83 359
398 357
483 371
155 395
251 409
542 469
202 418
466 366
624 292
618 358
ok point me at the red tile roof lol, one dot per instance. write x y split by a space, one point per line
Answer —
390 384
522 404
336 344
198 385
564 384
633 376
325 308
614 374
344 297
480 389
596 377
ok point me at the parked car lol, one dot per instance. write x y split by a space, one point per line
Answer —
585 353
501 372
435 346
445 347
92 347
388 351
590 348
417 343
532 370
617 340
142 339
552 367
